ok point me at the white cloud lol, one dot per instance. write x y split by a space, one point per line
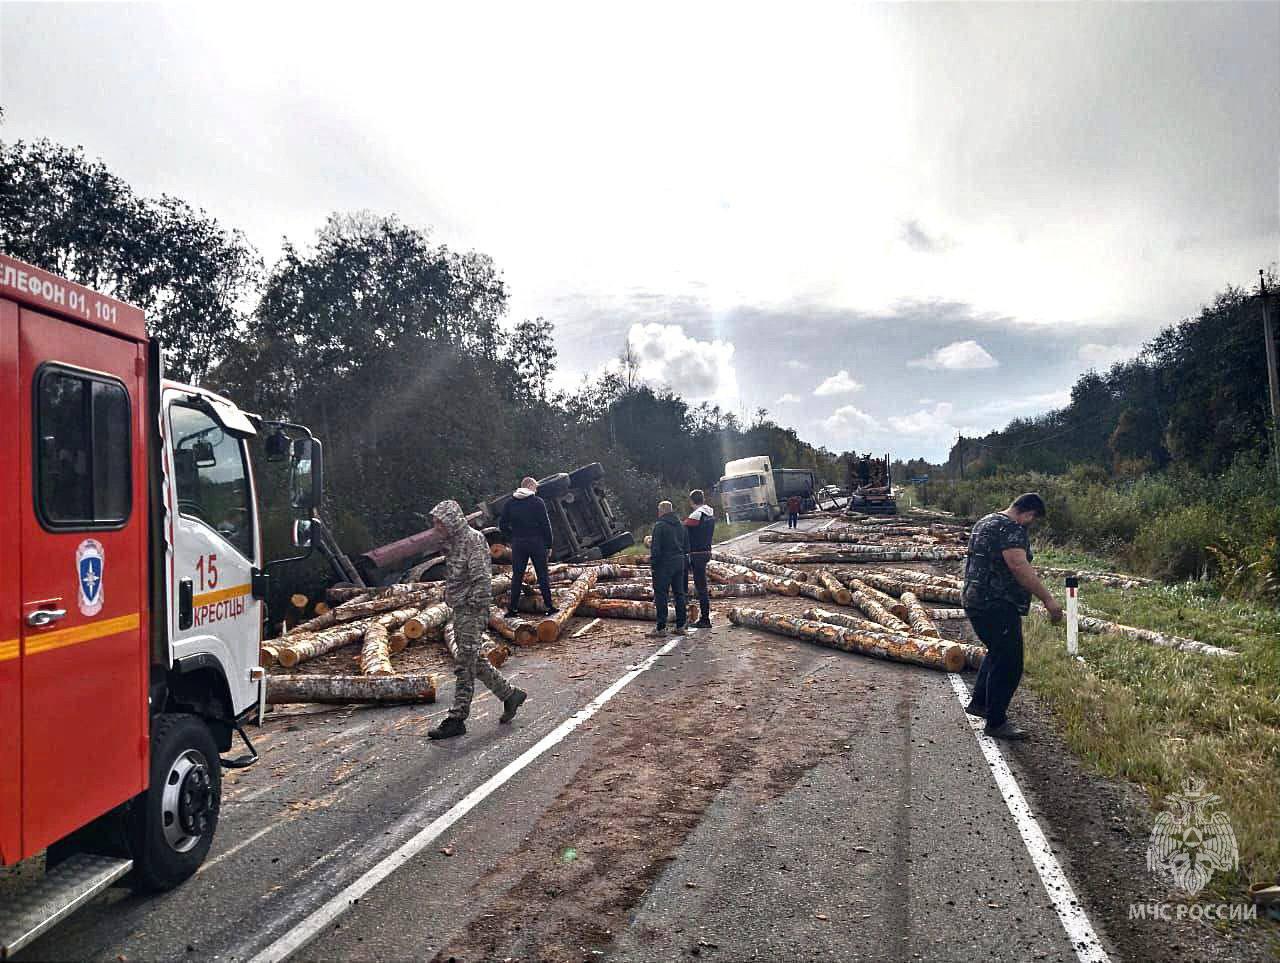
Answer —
847 417
795 365
838 384
698 370
926 421
787 399
957 356
1006 408
1105 355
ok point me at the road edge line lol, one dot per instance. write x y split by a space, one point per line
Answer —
1080 932
314 923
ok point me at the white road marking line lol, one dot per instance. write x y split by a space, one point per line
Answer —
311 926
238 846
1070 911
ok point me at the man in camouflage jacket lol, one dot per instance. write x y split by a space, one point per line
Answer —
468 592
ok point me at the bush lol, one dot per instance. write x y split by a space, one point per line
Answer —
1174 546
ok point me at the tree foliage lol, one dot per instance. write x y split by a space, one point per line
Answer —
70 215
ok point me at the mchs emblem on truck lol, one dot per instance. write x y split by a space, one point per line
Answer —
89 566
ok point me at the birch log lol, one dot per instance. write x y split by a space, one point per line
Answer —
947 615
360 610
324 619
550 627
936 592
293 650
923 578
397 642
425 620
640 592
1102 626
865 601
918 618
728 573
375 654
758 565
876 555
841 618
346 689
629 609
932 653
495 653
896 606
513 630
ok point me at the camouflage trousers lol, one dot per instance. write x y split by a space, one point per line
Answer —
468 631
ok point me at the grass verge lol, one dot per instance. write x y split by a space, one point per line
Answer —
1157 717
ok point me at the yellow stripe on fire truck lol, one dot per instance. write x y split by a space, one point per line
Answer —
48 641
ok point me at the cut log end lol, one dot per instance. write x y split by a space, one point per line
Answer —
299 600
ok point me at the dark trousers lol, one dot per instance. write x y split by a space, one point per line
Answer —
1000 630
698 569
793 520
524 551
669 580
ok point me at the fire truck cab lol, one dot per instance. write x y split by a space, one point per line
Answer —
132 588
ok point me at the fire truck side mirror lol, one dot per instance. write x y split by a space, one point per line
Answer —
306 475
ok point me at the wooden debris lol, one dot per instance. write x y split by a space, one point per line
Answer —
347 689
513 630
496 653
550 627
432 617
758 565
933 653
918 618
375 655
585 628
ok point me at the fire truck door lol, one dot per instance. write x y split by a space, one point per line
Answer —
83 616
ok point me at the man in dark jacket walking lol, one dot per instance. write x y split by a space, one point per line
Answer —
998 584
668 556
525 523
701 524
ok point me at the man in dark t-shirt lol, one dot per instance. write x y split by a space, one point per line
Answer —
998 584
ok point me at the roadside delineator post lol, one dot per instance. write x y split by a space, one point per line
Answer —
1073 615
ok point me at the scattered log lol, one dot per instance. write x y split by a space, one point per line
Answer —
399 600
346 689
918 618
932 653
267 654
321 621
424 620
397 641
641 592
295 649
1109 579
937 592
725 572
923 578
947 615
863 600
628 609
814 591
298 600
839 593
1097 626
513 630
375 655
550 627
496 653
758 565
895 606
500 553
841 618
876 555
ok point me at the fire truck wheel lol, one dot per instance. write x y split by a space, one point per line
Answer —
171 824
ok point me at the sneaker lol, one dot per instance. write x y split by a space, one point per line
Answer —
680 630
512 703
448 728
973 709
659 633
1006 731
702 624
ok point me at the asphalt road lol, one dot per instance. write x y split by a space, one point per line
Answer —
743 798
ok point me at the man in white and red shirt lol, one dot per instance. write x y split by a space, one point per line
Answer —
702 528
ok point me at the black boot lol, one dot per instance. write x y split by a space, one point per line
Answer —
973 709
448 728
512 703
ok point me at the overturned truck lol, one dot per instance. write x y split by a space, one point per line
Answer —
583 521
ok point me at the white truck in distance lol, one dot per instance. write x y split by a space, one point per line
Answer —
753 488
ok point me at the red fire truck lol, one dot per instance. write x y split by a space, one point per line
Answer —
132 583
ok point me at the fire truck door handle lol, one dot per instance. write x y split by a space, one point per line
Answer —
186 593
42 617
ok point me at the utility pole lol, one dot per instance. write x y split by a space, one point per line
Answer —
1268 336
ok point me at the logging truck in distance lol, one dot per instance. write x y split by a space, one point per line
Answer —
132 582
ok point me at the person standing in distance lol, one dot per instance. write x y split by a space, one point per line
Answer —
468 592
701 525
998 584
524 522
668 556
793 511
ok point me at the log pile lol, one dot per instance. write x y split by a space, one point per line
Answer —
760 566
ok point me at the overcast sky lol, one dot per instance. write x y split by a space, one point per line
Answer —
885 224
